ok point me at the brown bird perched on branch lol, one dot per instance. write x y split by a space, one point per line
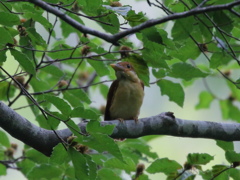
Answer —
125 95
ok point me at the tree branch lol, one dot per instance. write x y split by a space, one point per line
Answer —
114 38
164 124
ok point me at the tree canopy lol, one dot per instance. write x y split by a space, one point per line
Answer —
54 55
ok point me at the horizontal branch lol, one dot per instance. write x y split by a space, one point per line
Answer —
164 124
116 37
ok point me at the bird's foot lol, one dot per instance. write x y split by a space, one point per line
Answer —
136 119
121 120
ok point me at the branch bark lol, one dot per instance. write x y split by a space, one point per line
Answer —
116 37
164 124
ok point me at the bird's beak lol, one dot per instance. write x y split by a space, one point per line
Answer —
117 67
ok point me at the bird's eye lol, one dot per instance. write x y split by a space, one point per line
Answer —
128 66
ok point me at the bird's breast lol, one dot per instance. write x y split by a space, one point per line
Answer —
127 100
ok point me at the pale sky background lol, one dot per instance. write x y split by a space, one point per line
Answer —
175 148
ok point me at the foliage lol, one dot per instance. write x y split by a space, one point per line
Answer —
58 66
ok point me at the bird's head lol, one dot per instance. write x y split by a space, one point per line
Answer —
124 70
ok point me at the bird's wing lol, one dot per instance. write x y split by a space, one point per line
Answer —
110 97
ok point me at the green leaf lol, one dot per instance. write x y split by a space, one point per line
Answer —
188 50
4 139
59 155
75 129
229 110
173 90
218 169
26 166
81 95
163 165
153 54
36 156
95 127
201 159
36 17
24 61
59 103
3 57
92 167
182 28
5 90
5 36
45 171
36 38
232 156
151 34
101 143
115 163
140 67
139 146
113 23
205 99
226 146
108 173
80 164
9 19
186 71
3 170
218 59
53 70
84 113
100 68
135 19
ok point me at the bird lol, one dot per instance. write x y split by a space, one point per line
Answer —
126 93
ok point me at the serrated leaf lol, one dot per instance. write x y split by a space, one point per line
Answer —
9 19
111 19
92 167
140 67
163 165
24 61
185 71
232 156
173 90
84 113
182 28
5 36
139 146
95 127
128 165
75 129
79 163
59 155
59 103
101 143
205 99
153 54
218 59
226 146
36 156
197 158
44 171
4 139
